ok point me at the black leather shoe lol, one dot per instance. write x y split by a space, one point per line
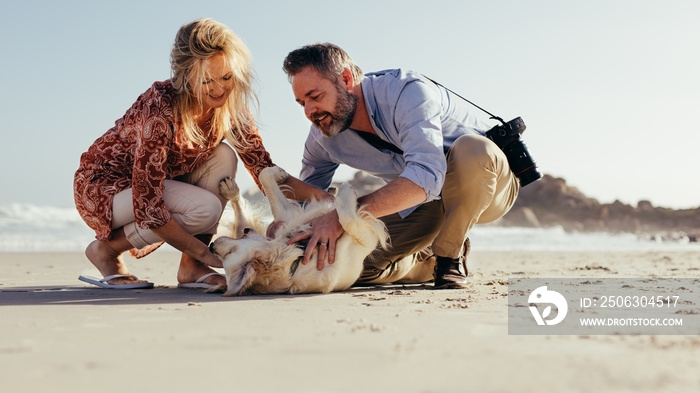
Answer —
450 273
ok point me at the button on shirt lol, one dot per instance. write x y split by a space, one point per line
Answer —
409 111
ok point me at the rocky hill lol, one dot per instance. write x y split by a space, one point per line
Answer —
551 202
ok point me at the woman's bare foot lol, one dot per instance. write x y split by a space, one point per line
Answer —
108 261
191 270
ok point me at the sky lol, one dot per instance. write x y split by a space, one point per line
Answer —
609 90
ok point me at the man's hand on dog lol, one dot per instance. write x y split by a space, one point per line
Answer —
325 231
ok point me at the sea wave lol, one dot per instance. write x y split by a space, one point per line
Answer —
495 238
31 228
25 215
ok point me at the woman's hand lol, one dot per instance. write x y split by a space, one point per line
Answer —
325 231
211 259
177 237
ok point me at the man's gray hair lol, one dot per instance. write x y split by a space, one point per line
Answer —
327 59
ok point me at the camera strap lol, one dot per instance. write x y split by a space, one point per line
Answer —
473 104
379 143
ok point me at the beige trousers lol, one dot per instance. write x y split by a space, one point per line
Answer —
479 188
193 199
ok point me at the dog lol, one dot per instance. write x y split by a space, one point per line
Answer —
255 264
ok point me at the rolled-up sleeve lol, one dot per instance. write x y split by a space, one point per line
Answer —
417 119
149 172
255 157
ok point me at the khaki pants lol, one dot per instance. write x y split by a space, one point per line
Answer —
193 199
479 188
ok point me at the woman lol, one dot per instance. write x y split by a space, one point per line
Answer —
154 176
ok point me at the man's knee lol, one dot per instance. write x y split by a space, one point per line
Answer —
474 150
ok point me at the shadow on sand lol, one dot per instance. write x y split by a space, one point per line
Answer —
80 295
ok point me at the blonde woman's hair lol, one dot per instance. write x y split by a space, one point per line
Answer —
195 43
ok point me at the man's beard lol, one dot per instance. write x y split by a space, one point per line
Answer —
342 116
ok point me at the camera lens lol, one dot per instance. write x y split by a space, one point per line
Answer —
507 138
528 176
522 165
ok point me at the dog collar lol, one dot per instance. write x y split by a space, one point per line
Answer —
295 265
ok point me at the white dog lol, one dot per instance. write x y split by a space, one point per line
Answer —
255 264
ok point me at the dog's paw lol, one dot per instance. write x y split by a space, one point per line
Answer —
346 200
346 191
273 174
229 189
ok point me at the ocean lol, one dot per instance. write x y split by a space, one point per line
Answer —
30 228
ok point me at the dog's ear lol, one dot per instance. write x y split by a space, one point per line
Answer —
248 271
243 279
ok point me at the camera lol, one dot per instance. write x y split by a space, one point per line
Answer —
507 137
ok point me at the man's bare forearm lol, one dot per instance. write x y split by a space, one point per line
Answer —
398 195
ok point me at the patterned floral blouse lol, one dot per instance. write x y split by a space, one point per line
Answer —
141 151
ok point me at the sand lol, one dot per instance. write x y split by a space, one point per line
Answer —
60 335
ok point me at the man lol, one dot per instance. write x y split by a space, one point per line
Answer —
443 176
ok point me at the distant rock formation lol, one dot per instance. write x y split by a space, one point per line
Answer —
550 202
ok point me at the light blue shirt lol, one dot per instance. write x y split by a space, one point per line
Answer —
409 111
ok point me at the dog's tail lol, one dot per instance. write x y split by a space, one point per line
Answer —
358 223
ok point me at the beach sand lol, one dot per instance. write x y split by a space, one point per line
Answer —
58 334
